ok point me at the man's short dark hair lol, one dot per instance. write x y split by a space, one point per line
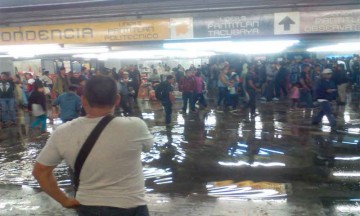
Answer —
101 91
169 77
73 88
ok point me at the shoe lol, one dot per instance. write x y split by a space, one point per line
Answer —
263 98
44 133
275 99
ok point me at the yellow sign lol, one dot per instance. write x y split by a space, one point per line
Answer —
121 31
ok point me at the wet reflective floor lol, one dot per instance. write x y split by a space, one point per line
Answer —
218 163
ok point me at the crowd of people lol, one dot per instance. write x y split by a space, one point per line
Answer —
237 83
306 83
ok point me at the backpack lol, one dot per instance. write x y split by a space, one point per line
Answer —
294 75
159 91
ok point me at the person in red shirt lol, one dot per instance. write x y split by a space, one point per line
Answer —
187 86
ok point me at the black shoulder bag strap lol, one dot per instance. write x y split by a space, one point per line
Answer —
87 147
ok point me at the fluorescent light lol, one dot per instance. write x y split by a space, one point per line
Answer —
79 50
48 49
340 47
148 54
347 174
28 48
252 47
198 45
5 56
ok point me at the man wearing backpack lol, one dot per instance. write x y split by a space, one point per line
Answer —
164 93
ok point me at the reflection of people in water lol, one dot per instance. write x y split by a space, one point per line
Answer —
326 152
253 145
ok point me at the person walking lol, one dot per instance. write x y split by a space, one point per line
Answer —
7 99
223 84
70 105
164 93
251 89
306 86
187 87
340 79
280 81
325 92
62 82
37 105
109 176
199 90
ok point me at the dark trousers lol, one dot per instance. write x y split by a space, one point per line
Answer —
252 102
168 111
188 97
233 100
222 95
200 97
280 86
124 104
112 211
306 97
325 110
269 90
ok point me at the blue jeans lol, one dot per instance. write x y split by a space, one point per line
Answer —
168 111
112 211
40 120
8 107
188 96
325 110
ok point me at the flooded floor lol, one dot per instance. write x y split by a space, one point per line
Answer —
218 163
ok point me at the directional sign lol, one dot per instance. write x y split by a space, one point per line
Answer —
233 25
330 21
287 23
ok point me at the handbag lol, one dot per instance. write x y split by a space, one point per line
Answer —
87 147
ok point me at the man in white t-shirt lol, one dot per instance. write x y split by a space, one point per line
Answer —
111 180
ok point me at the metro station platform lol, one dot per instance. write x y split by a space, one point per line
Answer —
218 164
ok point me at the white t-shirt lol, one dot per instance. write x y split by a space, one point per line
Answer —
112 174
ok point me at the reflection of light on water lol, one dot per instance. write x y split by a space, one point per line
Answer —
273 151
161 176
180 119
326 128
155 172
232 191
210 122
272 199
347 117
255 164
354 130
346 174
347 158
348 208
240 130
150 116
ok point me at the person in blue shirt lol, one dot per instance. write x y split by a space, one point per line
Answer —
325 93
70 105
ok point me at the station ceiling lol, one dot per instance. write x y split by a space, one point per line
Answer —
26 11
